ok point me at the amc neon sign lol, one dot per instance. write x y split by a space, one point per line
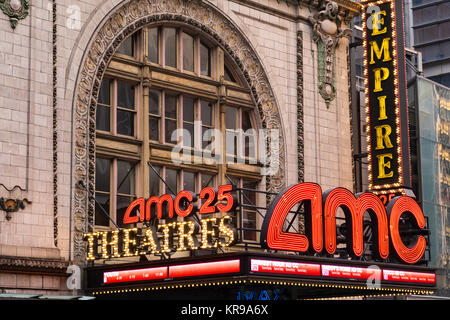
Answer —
320 220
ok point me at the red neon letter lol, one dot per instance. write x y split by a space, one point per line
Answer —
354 211
223 194
159 201
395 209
272 235
138 202
190 196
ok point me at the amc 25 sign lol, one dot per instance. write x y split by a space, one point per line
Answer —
186 234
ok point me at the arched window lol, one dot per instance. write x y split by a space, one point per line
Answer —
164 78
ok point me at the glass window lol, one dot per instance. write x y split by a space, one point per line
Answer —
125 189
205 60
102 191
103 117
153 45
189 181
171 116
228 76
125 108
188 122
188 52
155 181
126 47
155 114
249 212
207 119
207 180
172 181
170 38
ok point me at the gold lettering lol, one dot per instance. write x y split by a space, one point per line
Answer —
383 164
149 241
188 236
379 78
380 51
377 22
113 245
383 137
208 233
127 241
382 105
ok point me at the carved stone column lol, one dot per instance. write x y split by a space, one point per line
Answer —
327 32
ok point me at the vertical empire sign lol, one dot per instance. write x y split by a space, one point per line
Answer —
386 100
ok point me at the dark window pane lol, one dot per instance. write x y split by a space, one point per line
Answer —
207 180
125 122
228 76
102 175
207 116
171 106
246 122
103 118
171 47
125 95
188 52
232 142
205 60
171 180
231 118
154 102
102 202
126 47
122 205
171 126
188 109
188 135
207 138
189 181
249 196
104 96
153 47
125 177
154 181
153 128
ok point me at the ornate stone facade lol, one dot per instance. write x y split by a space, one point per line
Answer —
122 22
51 67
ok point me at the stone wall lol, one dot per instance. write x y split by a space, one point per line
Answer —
39 74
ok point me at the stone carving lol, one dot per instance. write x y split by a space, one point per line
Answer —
117 26
15 9
326 33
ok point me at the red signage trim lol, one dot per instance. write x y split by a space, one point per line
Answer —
204 269
350 272
285 267
407 276
135 275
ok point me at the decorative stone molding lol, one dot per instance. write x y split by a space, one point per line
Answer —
327 31
33 265
300 118
122 22
15 9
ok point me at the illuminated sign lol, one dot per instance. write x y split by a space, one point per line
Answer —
386 100
176 271
285 267
320 222
268 267
216 232
174 236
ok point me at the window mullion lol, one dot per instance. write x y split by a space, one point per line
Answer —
113 205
